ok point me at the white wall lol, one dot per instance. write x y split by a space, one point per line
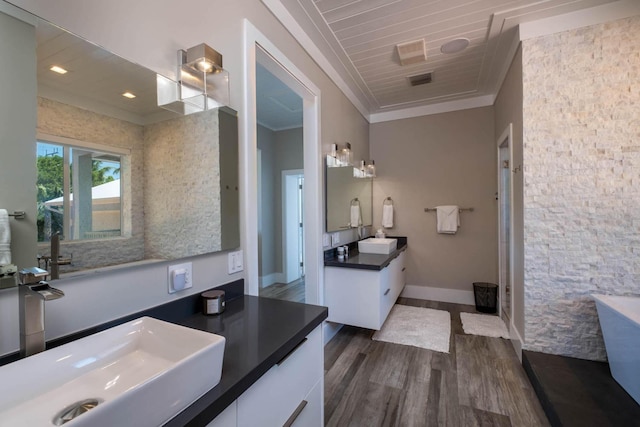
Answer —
149 32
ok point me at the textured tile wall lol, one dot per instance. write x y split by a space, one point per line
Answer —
581 181
182 186
64 120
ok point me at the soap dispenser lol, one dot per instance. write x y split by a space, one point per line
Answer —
380 234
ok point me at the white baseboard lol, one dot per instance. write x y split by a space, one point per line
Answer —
270 279
438 294
516 340
330 329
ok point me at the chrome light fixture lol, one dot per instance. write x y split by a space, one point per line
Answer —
365 170
202 82
340 156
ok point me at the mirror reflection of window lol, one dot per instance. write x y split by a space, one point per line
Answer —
87 204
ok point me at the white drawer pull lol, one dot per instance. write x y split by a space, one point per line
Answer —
296 413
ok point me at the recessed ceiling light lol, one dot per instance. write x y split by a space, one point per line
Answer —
128 95
455 46
58 70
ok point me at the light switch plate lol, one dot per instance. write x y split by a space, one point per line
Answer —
235 262
335 239
179 277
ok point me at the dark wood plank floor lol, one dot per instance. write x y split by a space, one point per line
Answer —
479 383
294 291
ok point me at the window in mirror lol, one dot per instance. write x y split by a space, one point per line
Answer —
78 192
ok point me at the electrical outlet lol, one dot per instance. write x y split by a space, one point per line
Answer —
235 262
179 277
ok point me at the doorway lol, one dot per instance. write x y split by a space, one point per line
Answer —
259 50
505 223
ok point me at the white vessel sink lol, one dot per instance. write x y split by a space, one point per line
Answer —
374 245
141 373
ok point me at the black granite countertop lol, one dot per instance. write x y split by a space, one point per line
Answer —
259 333
366 261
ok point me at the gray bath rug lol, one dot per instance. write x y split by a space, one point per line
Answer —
483 324
418 327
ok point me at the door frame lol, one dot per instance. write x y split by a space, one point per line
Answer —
507 136
257 47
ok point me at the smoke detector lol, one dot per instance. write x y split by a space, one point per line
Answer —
412 52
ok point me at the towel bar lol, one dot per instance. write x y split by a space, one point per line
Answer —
18 214
461 209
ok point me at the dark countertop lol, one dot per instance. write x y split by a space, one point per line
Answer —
259 333
366 261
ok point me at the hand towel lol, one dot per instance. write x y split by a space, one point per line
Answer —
448 219
5 238
356 217
387 215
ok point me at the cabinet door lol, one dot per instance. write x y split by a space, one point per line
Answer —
227 418
274 398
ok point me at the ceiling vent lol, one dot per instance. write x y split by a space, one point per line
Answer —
412 52
420 79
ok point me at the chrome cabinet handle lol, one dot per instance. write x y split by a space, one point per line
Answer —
387 291
404 268
296 413
286 356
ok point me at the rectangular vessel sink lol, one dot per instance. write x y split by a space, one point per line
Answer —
374 245
140 373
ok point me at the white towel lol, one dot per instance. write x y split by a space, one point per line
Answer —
356 217
448 219
387 215
5 238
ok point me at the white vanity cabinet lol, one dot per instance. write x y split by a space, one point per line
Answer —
361 297
290 393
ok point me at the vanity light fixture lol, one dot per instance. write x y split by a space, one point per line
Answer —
202 82
339 156
365 170
57 69
128 95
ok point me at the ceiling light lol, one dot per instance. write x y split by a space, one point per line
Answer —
128 95
455 46
204 58
412 52
58 70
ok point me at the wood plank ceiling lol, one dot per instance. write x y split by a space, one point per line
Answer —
360 36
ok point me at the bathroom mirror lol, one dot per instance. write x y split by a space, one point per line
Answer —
157 185
346 197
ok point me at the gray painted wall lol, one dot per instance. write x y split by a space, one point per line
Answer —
443 159
17 135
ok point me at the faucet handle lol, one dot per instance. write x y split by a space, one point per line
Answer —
28 276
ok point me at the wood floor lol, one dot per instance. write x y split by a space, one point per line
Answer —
479 383
294 291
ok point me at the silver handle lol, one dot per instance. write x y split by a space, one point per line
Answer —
387 291
296 413
286 356
404 268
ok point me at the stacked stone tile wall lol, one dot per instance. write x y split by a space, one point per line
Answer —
182 186
581 181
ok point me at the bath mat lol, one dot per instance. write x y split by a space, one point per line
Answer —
417 327
483 324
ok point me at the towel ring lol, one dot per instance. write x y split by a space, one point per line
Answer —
387 201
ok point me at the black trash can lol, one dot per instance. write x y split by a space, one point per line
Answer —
486 296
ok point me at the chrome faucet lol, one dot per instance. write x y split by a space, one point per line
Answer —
33 292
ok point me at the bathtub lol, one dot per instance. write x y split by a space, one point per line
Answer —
620 322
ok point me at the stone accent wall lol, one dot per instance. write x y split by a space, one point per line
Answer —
581 181
55 118
182 186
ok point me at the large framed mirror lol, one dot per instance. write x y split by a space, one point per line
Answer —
348 199
119 179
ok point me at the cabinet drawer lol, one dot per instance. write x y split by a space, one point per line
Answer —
275 396
311 415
